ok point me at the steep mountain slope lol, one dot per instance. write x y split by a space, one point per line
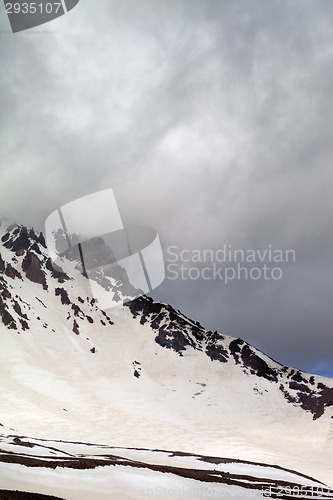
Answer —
75 471
143 375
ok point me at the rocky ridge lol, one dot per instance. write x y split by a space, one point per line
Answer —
24 257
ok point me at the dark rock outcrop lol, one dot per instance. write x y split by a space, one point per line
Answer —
215 350
257 365
56 273
76 328
2 264
6 317
11 272
62 293
31 265
174 330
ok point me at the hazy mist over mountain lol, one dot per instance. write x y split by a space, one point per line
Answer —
211 120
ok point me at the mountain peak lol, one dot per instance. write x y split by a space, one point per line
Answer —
142 360
28 261
19 238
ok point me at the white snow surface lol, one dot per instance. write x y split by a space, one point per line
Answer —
124 480
54 388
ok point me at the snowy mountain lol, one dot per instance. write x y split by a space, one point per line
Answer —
172 406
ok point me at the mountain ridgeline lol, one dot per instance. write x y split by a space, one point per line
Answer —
24 258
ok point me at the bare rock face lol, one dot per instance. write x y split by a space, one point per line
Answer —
16 239
215 348
256 365
11 272
311 395
55 273
61 292
174 330
76 328
31 265
2 264
7 318
19 238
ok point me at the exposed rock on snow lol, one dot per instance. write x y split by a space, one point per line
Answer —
156 380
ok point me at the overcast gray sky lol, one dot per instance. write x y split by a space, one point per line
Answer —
212 121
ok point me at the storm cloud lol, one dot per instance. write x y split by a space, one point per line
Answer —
212 122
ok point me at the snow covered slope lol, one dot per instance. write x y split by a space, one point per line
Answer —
144 376
77 471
